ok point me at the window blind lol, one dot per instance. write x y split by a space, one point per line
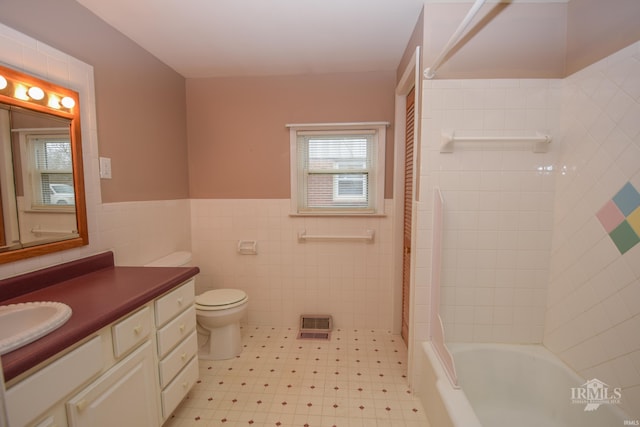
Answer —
52 169
337 170
52 154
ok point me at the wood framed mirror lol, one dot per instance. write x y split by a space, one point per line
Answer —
42 196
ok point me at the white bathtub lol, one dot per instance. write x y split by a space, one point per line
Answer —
505 385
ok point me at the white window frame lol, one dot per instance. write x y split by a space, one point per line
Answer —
338 196
376 177
31 175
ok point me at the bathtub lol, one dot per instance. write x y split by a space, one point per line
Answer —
505 385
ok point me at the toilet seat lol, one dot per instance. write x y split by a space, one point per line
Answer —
220 299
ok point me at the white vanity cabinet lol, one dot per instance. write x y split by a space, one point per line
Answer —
128 390
132 373
40 391
175 318
124 396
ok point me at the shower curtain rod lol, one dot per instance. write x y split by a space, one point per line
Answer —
430 72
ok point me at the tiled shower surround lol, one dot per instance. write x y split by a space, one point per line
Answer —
593 308
498 207
527 255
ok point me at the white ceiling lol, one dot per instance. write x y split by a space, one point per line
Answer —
205 38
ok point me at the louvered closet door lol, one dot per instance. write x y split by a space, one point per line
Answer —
408 206
2 238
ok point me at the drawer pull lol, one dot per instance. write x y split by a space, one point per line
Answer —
185 384
137 329
81 405
180 301
182 327
183 356
49 422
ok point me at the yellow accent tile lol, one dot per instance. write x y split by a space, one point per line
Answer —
634 220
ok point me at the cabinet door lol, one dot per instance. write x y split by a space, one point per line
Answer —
124 396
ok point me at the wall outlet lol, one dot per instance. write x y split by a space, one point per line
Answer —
105 168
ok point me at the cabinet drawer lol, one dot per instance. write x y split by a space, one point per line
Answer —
176 330
131 331
32 396
56 418
179 388
168 306
175 361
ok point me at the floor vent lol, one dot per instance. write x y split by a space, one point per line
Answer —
314 335
315 327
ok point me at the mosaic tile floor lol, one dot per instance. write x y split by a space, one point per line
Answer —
357 379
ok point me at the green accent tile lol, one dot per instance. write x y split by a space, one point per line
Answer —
624 237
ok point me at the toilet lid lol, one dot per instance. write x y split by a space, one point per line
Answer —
220 297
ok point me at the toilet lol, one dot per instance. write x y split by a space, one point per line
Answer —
218 315
174 259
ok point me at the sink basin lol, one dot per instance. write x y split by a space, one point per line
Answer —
21 324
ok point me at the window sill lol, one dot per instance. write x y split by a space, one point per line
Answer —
338 214
61 210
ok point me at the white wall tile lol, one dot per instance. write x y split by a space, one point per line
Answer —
592 305
542 228
350 280
494 201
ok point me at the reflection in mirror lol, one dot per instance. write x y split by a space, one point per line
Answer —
42 204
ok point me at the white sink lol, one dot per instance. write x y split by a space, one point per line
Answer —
21 324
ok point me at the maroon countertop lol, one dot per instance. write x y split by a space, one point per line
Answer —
97 292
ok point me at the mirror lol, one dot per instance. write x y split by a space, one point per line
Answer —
42 201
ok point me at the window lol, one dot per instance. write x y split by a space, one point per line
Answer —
50 170
337 168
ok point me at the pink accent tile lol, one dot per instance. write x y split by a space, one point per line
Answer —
610 216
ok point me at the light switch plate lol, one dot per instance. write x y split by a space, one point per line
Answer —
105 168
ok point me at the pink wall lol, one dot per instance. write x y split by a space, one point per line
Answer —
414 41
597 28
529 40
523 40
140 102
237 141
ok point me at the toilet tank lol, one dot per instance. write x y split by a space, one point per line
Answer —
174 259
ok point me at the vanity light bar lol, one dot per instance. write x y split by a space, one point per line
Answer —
33 93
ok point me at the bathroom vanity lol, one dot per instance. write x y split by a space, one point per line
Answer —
127 356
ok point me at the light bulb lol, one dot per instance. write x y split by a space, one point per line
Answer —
36 93
3 82
68 102
20 92
54 102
